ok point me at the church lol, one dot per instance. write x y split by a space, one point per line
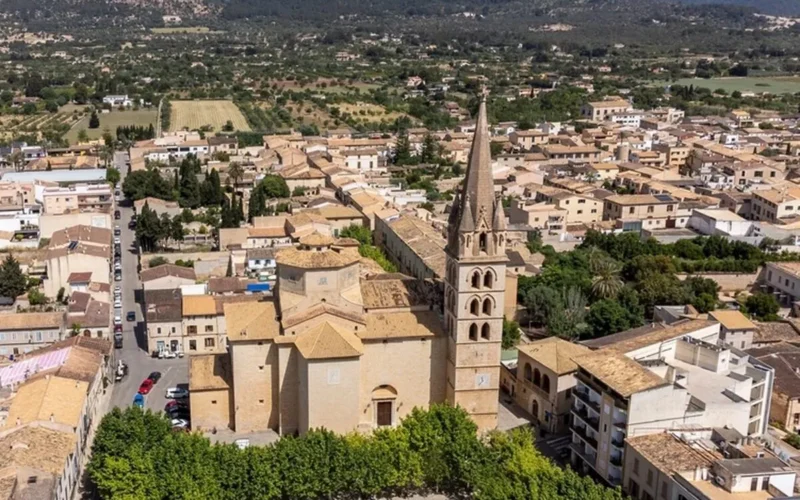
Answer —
347 352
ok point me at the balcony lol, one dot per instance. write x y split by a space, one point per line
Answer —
583 415
617 442
616 461
583 396
589 458
583 434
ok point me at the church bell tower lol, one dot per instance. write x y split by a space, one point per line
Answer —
475 286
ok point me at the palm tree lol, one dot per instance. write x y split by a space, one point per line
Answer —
235 173
107 154
606 282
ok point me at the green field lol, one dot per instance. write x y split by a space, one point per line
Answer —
773 85
111 121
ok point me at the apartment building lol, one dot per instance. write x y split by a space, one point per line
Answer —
713 464
560 153
77 198
635 212
603 110
202 331
772 205
781 279
527 139
25 332
784 358
580 209
546 216
163 315
77 249
752 172
662 377
542 380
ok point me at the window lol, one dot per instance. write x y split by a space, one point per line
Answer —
473 331
669 208
528 378
476 279
633 489
158 330
663 489
213 401
488 279
485 331
487 306
482 242
765 484
192 345
650 209
631 210
636 466
537 377
473 307
581 201
580 212
191 329
209 342
384 413
754 484
546 384
649 477
594 210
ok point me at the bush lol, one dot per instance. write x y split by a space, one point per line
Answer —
157 261
136 455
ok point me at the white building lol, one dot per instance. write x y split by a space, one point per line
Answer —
720 222
363 160
118 100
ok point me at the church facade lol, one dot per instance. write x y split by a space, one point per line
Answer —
347 351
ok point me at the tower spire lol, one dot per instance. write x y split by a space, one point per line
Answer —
479 185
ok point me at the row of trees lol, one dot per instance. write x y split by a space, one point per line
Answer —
136 132
137 455
612 283
151 229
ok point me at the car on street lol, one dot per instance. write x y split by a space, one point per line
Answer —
131 316
117 241
180 423
122 371
117 266
118 303
117 231
117 320
117 328
166 354
176 393
117 289
176 403
132 225
138 400
146 386
117 215
117 276
178 412
155 377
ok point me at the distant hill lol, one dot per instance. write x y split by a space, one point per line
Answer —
773 7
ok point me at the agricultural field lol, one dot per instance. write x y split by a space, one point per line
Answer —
323 85
773 85
308 113
110 121
367 112
13 125
193 115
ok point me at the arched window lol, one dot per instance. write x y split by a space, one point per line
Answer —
473 331
473 307
487 306
485 331
546 384
488 279
528 372
476 279
537 377
482 242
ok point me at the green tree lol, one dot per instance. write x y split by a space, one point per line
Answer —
257 205
362 234
606 317
235 174
12 280
762 306
402 154
149 229
36 298
94 121
542 302
157 261
511 333
606 282
112 176
83 136
274 186
430 150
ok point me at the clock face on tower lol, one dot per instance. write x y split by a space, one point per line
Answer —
482 380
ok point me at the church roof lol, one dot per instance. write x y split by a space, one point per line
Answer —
251 321
399 325
310 259
327 341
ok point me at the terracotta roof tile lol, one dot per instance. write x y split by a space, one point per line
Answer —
555 354
164 270
327 341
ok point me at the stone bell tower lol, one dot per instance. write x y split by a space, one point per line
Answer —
475 286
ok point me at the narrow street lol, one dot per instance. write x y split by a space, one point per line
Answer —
134 351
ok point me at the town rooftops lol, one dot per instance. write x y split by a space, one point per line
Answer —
752 466
310 259
251 321
669 454
79 277
396 293
163 305
199 305
616 103
555 354
30 321
87 234
620 373
732 320
165 270
643 336
37 447
641 199
209 372
776 331
227 284
721 214
48 398
784 358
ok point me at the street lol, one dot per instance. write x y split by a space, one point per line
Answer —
134 351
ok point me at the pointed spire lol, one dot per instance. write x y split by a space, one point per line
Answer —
499 223
467 217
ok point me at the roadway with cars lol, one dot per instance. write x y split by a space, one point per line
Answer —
175 372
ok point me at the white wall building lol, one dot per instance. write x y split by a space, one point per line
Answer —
720 222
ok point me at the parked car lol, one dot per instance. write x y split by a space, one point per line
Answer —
180 423
117 231
176 393
122 371
117 215
118 303
176 403
146 386
117 320
117 276
131 316
166 354
138 400
117 241
117 289
155 377
178 412
117 328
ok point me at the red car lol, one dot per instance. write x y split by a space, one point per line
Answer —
146 386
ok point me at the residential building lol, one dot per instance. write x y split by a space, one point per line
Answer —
662 377
562 154
784 358
712 222
26 332
77 198
163 316
703 464
634 212
735 329
603 110
363 160
167 277
527 139
261 260
538 215
77 249
202 327
781 279
676 155
773 205
580 209
542 380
